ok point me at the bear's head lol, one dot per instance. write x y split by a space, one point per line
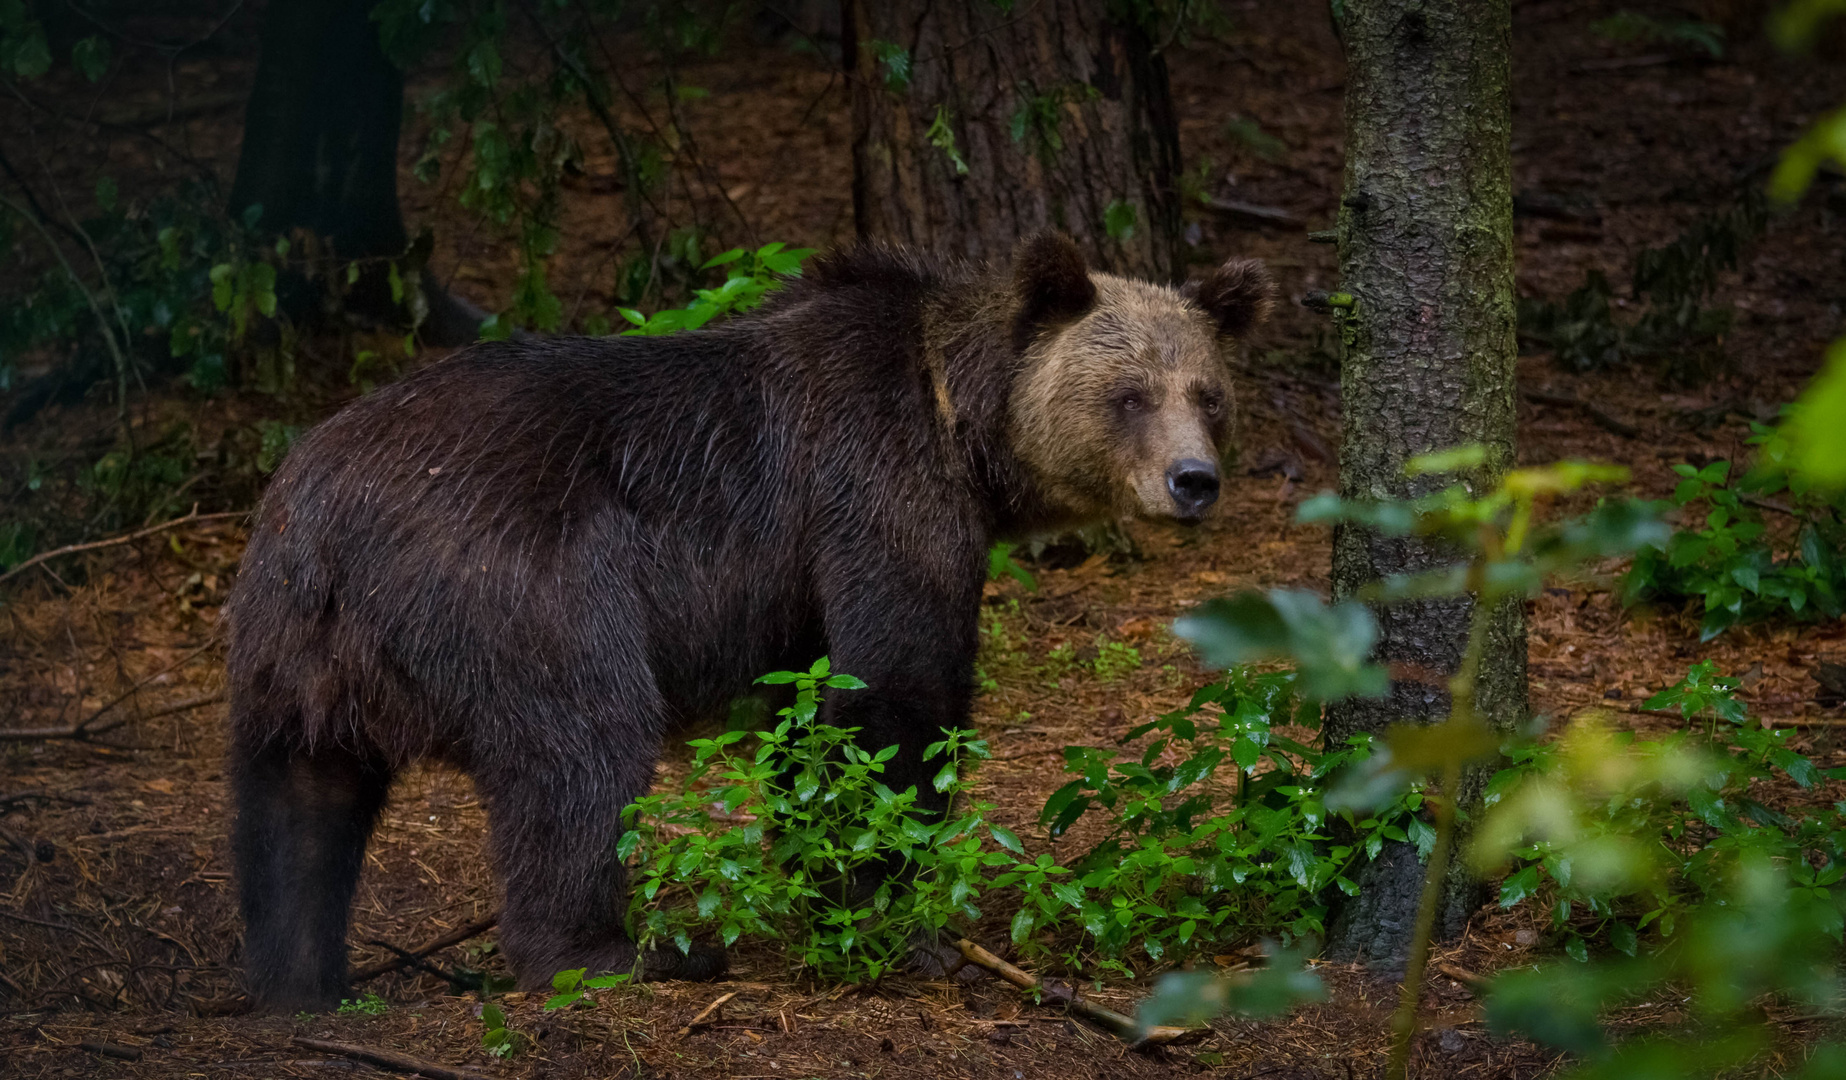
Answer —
1123 404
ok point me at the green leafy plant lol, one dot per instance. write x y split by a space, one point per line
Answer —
363 1005
498 1037
1503 551
1001 564
894 60
1218 832
941 135
1623 837
751 276
1661 850
1734 567
1115 661
800 840
574 986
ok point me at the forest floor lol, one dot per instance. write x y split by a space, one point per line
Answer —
122 928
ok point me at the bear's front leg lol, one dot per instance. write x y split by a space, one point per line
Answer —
910 633
554 819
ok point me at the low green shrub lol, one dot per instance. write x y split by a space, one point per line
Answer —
799 840
1732 565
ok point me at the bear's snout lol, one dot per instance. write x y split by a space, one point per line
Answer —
1194 487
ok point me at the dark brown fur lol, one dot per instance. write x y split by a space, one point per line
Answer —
535 560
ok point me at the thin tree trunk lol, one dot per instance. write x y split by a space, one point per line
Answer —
1426 251
320 153
974 125
320 132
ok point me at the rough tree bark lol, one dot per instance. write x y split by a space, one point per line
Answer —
973 126
1426 251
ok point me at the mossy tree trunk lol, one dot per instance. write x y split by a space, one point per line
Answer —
1426 251
974 125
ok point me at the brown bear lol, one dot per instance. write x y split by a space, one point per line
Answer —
535 560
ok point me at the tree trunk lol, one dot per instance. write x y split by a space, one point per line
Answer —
320 153
320 133
974 126
1426 251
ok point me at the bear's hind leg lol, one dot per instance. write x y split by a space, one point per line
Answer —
303 819
554 821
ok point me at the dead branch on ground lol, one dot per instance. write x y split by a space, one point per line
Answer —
72 549
389 1059
406 958
1124 1027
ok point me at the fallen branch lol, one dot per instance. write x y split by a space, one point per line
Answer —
405 958
82 730
111 1050
8 802
1124 1027
73 549
389 1059
705 1012
1465 977
1603 420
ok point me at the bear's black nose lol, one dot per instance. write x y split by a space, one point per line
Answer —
1194 485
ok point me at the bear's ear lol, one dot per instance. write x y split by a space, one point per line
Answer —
1052 281
1236 295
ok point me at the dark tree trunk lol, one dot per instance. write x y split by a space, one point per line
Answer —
320 153
1059 116
1426 250
320 133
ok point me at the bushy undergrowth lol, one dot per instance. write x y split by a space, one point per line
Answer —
1216 833
791 834
1731 564
1640 834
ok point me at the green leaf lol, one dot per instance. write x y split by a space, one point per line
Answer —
1329 644
1119 219
1519 886
1816 427
91 57
1007 839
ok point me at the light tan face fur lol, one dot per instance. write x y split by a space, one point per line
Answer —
1107 405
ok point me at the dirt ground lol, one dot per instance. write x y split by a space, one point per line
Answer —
117 923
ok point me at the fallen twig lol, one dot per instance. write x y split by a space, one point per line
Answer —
72 549
82 730
405 958
19 798
1124 1027
705 1012
1603 420
111 1050
1465 977
389 1059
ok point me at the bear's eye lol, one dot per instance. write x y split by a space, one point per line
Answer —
1129 401
1213 403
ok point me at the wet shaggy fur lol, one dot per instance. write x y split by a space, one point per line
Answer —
536 560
